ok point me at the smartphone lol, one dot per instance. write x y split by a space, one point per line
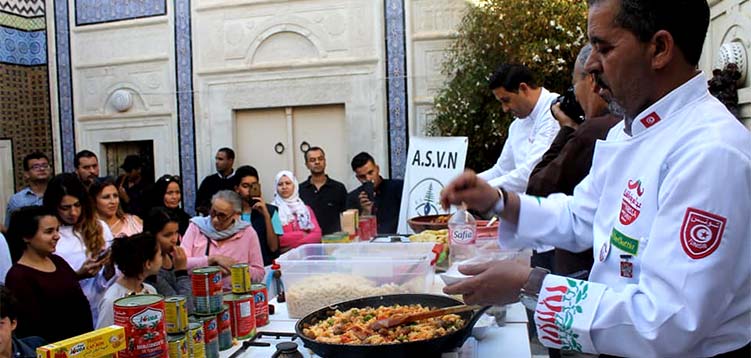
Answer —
255 190
103 254
369 189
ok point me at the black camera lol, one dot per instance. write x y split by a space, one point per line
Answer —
570 106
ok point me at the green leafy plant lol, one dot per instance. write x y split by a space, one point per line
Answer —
544 35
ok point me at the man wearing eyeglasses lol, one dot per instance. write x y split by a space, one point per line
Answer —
37 172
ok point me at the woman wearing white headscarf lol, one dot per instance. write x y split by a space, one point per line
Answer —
298 221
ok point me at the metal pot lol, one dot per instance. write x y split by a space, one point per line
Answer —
426 348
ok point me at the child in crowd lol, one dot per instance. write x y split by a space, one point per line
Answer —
137 257
11 346
51 303
172 278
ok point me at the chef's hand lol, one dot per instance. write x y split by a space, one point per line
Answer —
470 189
365 203
492 283
562 118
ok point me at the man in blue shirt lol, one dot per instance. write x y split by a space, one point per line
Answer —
37 172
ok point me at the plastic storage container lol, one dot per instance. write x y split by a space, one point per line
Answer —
318 275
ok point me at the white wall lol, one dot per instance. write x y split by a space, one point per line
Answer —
276 54
730 22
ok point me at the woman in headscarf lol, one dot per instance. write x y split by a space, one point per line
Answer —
222 239
298 221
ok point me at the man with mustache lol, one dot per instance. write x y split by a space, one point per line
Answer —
87 167
666 205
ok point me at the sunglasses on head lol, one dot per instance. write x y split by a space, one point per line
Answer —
170 178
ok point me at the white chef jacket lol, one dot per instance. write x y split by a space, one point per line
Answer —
528 139
72 249
668 212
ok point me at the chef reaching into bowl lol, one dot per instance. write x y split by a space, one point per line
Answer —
671 275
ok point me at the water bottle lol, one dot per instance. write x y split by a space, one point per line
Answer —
462 236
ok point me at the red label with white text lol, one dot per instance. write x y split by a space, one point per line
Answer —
631 202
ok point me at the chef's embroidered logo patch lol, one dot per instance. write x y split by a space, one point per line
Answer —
701 232
631 202
650 120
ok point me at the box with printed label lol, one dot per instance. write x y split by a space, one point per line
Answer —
104 342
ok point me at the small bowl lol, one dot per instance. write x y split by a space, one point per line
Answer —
419 224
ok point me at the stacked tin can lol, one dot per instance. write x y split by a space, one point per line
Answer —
247 300
207 289
176 317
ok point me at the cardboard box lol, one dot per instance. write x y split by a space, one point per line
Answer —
349 220
103 342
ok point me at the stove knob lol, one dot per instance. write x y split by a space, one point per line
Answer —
287 350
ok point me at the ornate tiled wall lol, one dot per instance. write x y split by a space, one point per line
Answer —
99 11
184 59
24 85
396 86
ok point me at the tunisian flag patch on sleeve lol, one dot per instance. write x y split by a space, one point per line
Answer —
701 233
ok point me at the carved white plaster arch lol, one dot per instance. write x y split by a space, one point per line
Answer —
292 25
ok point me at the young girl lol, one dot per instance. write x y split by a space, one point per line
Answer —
137 257
51 303
300 224
172 278
167 192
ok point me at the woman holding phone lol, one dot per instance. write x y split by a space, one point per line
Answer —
84 240
298 220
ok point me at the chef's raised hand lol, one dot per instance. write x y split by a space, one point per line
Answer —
492 283
470 189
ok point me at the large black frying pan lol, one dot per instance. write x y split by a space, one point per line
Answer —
425 348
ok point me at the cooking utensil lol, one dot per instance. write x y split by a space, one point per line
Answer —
428 348
400 319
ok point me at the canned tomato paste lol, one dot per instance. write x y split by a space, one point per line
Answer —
240 278
261 303
177 315
196 345
142 317
224 324
178 346
207 289
242 315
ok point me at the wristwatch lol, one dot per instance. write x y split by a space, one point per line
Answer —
530 293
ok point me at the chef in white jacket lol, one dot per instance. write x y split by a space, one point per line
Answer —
531 132
666 206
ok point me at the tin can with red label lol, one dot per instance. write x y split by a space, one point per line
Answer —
207 289
143 318
373 225
210 335
261 303
242 315
224 324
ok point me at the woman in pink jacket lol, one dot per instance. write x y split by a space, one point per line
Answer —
298 221
222 239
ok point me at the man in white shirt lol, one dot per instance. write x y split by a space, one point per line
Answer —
530 134
666 205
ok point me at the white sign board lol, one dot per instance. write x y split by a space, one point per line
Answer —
432 162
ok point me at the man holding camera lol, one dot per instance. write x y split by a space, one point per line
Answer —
584 117
262 216
376 196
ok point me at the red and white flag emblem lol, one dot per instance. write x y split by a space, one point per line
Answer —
650 120
701 233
